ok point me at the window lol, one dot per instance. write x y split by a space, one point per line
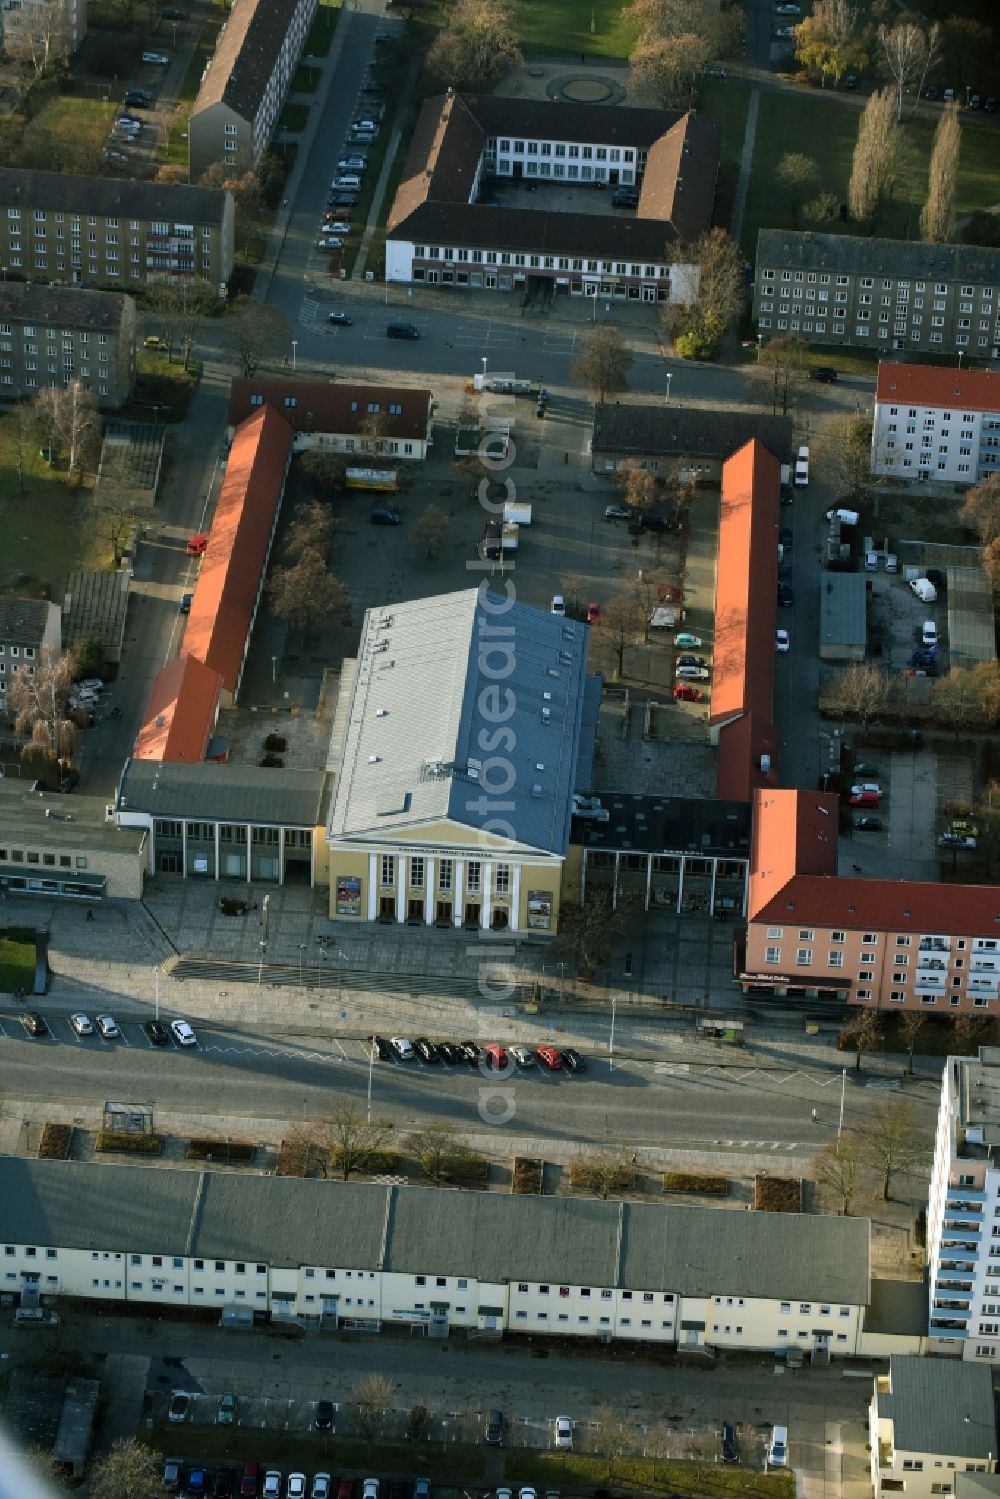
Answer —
772 955
803 957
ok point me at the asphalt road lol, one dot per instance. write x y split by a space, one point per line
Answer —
639 1101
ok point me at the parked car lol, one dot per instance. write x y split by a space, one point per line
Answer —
495 1056
187 599
563 1431
523 1056
653 522
422 1488
802 468
81 1024
381 1048
402 1048
370 1490
550 1057
222 1487
729 1452
928 633
272 1484
323 1417
107 1027
156 1032
69 780
573 1061
558 604
320 1486
173 1470
34 1024
330 242
692 673
196 545
786 538
593 613
689 660
786 597
494 1428
471 1052
296 1487
860 787
786 494
617 512
868 825
687 640
777 1452
684 693
824 373
383 516
956 840
182 1033
250 1479
159 59
865 799
864 768
340 319
197 1482
781 641
180 1406
154 341
226 1414
426 1050
963 825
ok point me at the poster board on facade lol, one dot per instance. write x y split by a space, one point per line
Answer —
540 909
348 896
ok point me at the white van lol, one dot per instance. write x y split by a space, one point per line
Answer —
846 517
339 184
924 590
777 1452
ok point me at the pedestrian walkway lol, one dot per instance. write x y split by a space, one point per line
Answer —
746 165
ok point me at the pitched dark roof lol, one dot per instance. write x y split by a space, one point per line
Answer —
596 124
444 151
225 793
687 431
322 406
538 230
65 193
678 184
69 306
851 254
23 620
244 57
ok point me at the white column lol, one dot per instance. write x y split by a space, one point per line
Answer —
184 848
457 909
249 852
486 881
372 886
680 887
402 873
281 856
649 877
429 892
614 887
515 898
218 842
711 897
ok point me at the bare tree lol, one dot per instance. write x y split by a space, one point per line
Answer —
431 529
847 454
837 1167
863 1032
712 294
797 173
313 530
40 703
112 505
130 1468
784 366
68 414
859 693
891 1141
604 362
259 330
622 621
911 1023
41 36
178 308
24 428
958 700
307 596
373 1402
638 484
589 931
603 1173
876 158
908 53
666 70
347 1136
443 1153
937 217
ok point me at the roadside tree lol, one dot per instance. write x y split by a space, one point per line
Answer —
346 1138
259 330
847 455
937 217
39 701
589 931
911 1025
862 1033
783 366
178 308
372 1404
907 54
604 363
958 701
130 1468
638 485
858 693
891 1141
837 1167
313 529
981 510
623 620
306 596
432 529
715 293
602 1173
443 1153
111 507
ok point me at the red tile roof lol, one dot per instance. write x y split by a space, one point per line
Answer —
934 385
225 598
180 713
747 745
322 406
794 834
746 585
886 905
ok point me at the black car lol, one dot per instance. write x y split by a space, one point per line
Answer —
573 1060
402 330
323 1419
69 780
157 1033
786 598
824 373
34 1024
138 99
785 537
426 1049
187 599
729 1452
222 1487
787 495
470 1052
381 1048
652 522
340 318
172 13
868 825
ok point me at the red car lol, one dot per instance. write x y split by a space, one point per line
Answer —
496 1056
550 1057
685 693
593 613
197 545
864 799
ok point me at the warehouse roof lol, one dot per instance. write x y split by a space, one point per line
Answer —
224 793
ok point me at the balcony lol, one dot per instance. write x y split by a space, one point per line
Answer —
964 1193
948 1329
935 944
959 1212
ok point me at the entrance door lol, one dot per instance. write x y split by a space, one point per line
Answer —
433 277
414 910
501 918
471 914
386 908
442 913
168 863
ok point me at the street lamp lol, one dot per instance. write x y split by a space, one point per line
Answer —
295 345
371 1064
274 670
669 378
302 948
484 357
611 1038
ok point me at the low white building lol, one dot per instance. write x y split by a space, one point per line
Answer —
931 1420
332 1253
933 423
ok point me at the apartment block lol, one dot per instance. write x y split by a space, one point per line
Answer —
28 627
52 335
936 423
963 1229
929 1421
885 944
882 294
99 231
245 83
42 32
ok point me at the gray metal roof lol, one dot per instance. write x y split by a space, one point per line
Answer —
64 192
842 614
940 1405
424 708
853 254
977 1485
224 793
24 621
686 431
492 1237
898 1306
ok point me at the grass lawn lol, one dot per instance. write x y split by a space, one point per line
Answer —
68 134
294 117
324 24
573 1470
42 536
162 383
376 251
17 965
203 50
305 80
827 131
563 26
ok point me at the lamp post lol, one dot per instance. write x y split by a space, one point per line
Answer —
302 948
484 358
274 670
371 1066
295 347
669 378
611 1037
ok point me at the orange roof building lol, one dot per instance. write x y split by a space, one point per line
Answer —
181 712
745 595
232 570
934 423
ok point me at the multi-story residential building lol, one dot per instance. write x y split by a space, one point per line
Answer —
446 226
368 1255
52 335
99 231
884 944
28 627
928 1422
365 420
42 32
244 85
963 1202
883 294
935 423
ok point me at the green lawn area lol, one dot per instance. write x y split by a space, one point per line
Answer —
42 537
376 251
827 130
305 80
321 31
564 26
17 965
725 104
203 50
161 383
294 117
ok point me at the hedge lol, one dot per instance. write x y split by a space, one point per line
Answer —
373 1161
220 1150
777 1194
114 1139
689 1181
56 1142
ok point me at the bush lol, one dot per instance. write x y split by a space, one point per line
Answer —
220 1150
527 1177
690 1181
375 1162
777 1194
689 346
18 934
56 1142
275 743
115 1139
468 1165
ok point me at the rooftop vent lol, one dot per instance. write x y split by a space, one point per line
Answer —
536 790
381 713
374 759
546 715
